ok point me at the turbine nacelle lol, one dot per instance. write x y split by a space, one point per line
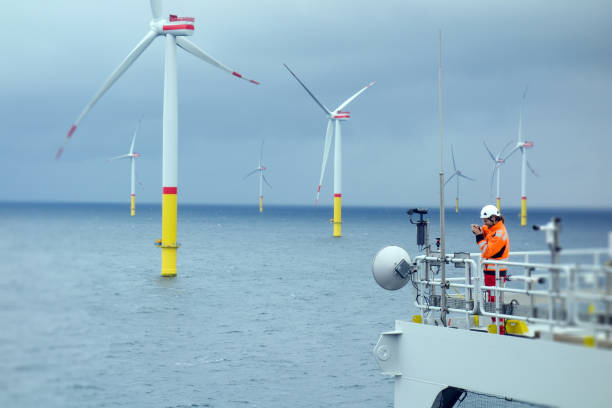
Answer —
339 115
135 155
527 145
177 26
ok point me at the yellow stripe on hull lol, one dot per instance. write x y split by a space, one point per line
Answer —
523 211
337 215
260 203
169 245
133 208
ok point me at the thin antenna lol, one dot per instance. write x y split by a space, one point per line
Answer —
442 240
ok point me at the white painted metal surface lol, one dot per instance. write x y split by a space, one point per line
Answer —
424 359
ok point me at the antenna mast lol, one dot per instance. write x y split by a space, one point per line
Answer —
442 238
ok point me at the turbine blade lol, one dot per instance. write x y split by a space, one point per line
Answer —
134 137
450 178
328 138
512 152
492 181
501 154
520 130
349 100
261 152
123 156
490 153
453 156
266 180
156 9
327 111
250 174
532 170
125 64
196 51
466 177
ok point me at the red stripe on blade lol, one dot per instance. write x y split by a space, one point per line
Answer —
59 153
236 74
169 190
253 82
71 131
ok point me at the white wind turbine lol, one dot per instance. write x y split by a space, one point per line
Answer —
132 155
260 168
499 161
457 173
333 127
174 29
523 146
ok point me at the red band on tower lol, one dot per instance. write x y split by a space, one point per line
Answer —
337 195
169 190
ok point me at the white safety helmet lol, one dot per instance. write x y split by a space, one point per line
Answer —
489 210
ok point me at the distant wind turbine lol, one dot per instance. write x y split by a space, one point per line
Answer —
174 29
523 146
333 127
261 168
457 173
132 156
499 161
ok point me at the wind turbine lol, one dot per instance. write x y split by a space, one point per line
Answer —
457 173
333 127
174 29
261 168
523 146
499 161
132 156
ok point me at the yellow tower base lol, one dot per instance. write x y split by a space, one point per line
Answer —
456 205
133 208
337 215
523 211
260 203
498 204
169 245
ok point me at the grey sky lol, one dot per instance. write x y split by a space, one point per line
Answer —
56 58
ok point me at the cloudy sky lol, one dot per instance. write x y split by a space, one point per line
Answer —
57 55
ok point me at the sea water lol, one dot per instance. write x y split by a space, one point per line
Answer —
267 310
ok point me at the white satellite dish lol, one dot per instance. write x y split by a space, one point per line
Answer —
392 268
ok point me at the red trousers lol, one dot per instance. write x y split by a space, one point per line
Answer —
489 280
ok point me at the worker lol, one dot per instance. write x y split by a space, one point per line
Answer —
494 243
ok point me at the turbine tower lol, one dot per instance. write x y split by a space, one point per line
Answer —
499 161
457 173
260 168
523 146
333 127
132 156
174 29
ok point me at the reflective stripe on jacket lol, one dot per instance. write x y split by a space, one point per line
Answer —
494 243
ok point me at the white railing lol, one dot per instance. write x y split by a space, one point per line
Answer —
572 295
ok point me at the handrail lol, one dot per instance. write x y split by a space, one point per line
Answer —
570 289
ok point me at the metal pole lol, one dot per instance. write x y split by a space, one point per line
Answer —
442 238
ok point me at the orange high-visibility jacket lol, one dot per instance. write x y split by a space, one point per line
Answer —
494 244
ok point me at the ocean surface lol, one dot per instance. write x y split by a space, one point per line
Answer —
267 310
